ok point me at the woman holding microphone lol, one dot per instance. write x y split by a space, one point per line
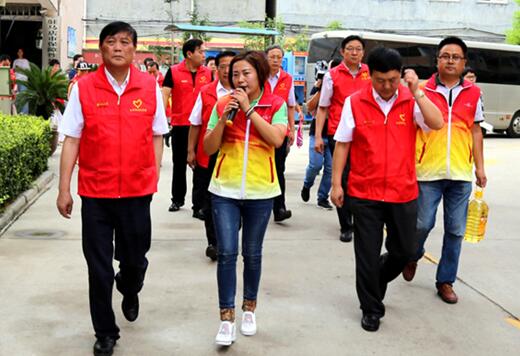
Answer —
245 127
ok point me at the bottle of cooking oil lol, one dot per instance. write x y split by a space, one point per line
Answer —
477 218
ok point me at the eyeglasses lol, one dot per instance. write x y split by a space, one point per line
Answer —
354 49
446 57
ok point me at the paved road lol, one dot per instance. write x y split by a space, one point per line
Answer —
307 302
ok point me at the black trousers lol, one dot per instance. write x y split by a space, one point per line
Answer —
280 155
344 213
201 197
126 222
179 157
373 270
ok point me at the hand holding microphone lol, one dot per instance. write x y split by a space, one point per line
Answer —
239 99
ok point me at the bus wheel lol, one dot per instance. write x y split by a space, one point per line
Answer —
514 127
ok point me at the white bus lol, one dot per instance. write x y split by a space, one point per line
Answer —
497 67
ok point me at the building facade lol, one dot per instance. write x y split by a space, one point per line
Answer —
45 29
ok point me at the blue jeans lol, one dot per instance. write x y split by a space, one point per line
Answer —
227 214
455 195
316 161
25 108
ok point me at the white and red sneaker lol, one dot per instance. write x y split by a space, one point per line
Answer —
248 326
226 333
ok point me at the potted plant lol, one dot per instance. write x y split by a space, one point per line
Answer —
45 92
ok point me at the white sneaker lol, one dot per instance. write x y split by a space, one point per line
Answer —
226 333
248 326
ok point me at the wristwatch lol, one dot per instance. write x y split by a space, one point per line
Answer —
419 94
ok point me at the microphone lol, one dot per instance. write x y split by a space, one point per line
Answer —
232 113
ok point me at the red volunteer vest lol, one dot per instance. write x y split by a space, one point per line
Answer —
344 85
382 153
282 88
208 95
185 92
116 153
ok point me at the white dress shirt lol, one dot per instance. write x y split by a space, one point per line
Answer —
196 113
291 101
73 120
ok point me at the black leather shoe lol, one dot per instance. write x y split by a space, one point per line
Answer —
130 307
174 207
306 194
282 215
211 252
198 214
370 322
104 346
346 236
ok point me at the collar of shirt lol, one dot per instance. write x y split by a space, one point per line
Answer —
119 89
354 73
274 79
221 91
385 105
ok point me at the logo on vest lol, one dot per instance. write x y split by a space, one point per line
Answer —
469 105
282 86
102 104
203 79
365 76
137 106
402 120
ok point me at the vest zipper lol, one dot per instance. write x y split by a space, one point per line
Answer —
120 144
448 149
244 166
386 155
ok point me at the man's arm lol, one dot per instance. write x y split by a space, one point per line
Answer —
158 150
290 124
478 154
193 137
339 159
430 112
69 155
166 95
320 122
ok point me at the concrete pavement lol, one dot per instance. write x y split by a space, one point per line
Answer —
307 302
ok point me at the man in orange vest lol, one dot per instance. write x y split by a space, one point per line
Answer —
281 83
338 84
445 161
377 130
198 160
183 82
114 123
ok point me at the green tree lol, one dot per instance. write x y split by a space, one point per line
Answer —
197 19
334 25
513 35
298 43
259 43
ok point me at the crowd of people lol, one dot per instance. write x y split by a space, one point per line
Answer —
390 148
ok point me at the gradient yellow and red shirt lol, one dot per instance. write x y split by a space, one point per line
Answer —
245 167
448 153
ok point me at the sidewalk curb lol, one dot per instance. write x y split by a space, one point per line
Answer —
25 200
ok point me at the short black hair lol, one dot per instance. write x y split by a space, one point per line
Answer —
468 70
223 55
258 60
4 57
147 61
275 46
210 58
116 27
452 40
351 38
53 62
152 63
383 59
76 57
191 46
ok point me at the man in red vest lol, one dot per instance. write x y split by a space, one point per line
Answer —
281 83
445 161
377 130
153 69
198 160
183 82
338 84
114 123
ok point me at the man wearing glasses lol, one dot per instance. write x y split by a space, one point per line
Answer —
444 162
338 84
